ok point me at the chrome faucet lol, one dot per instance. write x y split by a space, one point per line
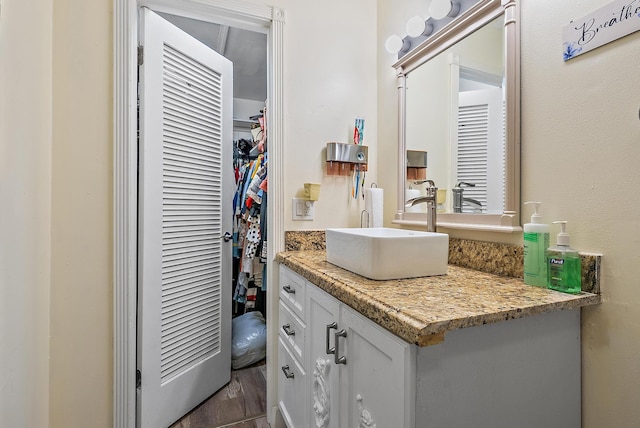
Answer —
430 200
459 200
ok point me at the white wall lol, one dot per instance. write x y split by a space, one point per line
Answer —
81 214
580 134
25 211
330 79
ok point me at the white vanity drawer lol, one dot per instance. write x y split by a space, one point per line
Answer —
293 331
292 290
291 387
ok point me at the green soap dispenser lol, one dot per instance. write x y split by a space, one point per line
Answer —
564 269
536 242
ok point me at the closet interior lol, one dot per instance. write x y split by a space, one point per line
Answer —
250 212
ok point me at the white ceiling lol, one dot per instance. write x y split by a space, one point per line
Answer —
246 49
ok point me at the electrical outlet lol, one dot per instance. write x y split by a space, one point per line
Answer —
302 209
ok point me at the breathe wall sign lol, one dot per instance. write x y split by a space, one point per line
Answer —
609 23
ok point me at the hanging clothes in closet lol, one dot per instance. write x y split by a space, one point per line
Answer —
250 233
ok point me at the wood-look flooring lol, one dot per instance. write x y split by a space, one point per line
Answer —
242 403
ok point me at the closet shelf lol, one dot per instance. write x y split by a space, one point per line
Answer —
243 123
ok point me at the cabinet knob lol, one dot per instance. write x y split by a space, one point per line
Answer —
288 289
287 329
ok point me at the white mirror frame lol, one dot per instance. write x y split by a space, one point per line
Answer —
478 15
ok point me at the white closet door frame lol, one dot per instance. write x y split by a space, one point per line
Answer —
125 41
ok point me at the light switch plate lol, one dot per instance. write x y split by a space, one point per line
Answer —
302 209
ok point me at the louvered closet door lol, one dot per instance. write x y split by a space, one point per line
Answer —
480 149
185 198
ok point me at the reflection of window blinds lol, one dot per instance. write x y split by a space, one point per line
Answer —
473 122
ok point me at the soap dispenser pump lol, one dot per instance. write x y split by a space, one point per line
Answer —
536 243
564 268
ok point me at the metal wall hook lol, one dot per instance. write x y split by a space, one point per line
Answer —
361 215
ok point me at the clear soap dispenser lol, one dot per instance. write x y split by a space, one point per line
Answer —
564 268
536 243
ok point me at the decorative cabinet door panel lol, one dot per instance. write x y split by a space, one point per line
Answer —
323 316
374 382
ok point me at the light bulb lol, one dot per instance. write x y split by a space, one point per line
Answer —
439 9
394 44
415 26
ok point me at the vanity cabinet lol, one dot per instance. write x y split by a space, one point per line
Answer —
355 372
337 368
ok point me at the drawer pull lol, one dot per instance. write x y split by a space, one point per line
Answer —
287 373
331 326
337 359
287 329
288 289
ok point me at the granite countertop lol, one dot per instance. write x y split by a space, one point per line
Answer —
422 310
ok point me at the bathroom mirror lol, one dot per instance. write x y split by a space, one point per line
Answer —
459 100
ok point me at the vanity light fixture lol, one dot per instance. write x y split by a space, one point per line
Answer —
418 26
439 9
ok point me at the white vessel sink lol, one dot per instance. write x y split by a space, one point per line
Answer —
388 253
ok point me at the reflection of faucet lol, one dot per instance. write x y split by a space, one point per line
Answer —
475 204
430 200
459 200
